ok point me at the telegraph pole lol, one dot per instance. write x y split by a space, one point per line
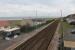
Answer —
62 43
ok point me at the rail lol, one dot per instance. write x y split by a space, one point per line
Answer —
40 41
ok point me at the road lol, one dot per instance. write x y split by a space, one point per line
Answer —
6 43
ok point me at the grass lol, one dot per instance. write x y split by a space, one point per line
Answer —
64 27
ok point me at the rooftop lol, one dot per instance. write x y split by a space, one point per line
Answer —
8 30
69 39
4 23
68 35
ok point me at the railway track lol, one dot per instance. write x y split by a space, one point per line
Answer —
41 40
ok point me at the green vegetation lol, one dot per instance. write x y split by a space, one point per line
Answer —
14 23
64 26
26 29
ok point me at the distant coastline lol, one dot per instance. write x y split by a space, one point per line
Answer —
12 18
19 18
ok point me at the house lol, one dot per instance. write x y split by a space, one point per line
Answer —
69 36
38 21
69 40
71 19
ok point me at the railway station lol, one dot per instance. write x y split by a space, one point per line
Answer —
37 24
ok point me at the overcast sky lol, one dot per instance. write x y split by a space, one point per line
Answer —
14 8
